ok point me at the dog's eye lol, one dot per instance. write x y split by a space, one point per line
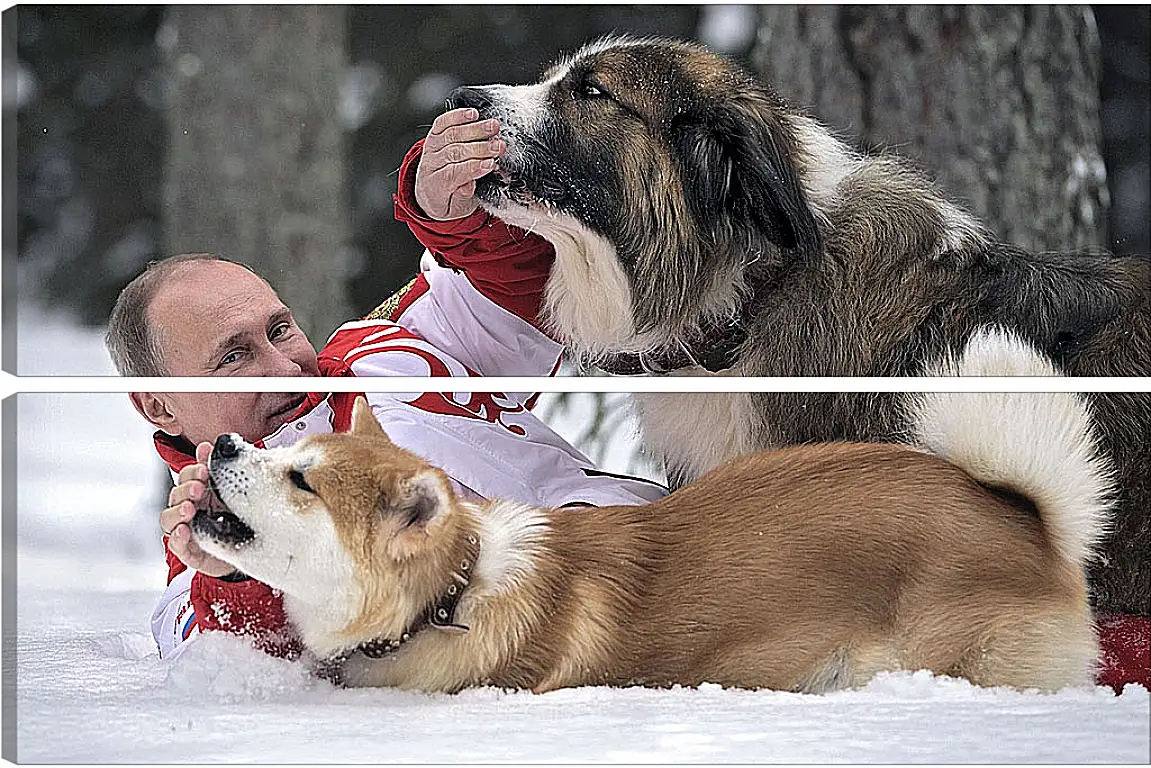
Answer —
298 480
589 90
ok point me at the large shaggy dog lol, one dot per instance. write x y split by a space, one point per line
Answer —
703 227
808 568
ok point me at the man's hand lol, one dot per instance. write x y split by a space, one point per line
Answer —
191 487
458 150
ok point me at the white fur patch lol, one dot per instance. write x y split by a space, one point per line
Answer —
296 548
607 43
588 297
696 432
512 535
828 162
521 109
1039 444
961 230
587 300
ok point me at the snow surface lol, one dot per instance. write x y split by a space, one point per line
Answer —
90 687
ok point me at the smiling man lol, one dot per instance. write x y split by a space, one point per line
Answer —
472 310
210 317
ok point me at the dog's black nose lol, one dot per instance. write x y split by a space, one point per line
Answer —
225 448
468 96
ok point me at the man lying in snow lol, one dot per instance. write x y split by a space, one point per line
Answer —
472 311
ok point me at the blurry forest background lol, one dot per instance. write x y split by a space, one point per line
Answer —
272 134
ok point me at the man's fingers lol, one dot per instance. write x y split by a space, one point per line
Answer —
458 150
189 490
190 554
170 518
203 451
450 178
192 472
461 152
467 133
180 512
449 193
451 118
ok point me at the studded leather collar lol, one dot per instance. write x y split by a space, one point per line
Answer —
440 615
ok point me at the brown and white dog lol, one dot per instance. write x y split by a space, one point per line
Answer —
809 568
702 226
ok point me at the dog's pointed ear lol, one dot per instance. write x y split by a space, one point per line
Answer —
364 422
738 167
424 499
417 504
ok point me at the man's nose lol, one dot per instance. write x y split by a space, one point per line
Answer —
276 363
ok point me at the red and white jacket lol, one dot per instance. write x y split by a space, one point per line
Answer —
472 311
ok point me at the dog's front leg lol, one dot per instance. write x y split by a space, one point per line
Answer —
330 669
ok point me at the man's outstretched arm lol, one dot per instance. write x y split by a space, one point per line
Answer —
481 284
506 264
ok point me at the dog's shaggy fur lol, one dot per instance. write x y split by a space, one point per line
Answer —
699 219
809 568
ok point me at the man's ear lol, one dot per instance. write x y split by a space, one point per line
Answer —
154 407
364 421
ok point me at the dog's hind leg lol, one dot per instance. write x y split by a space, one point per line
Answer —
1047 651
803 671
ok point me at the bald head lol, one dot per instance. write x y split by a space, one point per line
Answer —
130 338
199 315
206 305
178 316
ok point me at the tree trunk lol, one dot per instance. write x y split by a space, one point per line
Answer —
999 103
255 167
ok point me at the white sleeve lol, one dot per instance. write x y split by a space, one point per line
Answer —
454 317
174 618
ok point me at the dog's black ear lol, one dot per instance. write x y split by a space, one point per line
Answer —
737 161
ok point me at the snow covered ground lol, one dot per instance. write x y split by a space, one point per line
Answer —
91 689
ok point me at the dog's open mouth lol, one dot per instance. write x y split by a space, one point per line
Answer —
502 184
220 523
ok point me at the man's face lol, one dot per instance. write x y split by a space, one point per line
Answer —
215 318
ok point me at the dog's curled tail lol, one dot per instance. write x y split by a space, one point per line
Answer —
1037 444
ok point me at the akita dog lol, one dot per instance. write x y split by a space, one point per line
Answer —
808 568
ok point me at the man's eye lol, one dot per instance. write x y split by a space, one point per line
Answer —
279 330
298 480
232 357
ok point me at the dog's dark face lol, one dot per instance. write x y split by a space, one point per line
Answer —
667 156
